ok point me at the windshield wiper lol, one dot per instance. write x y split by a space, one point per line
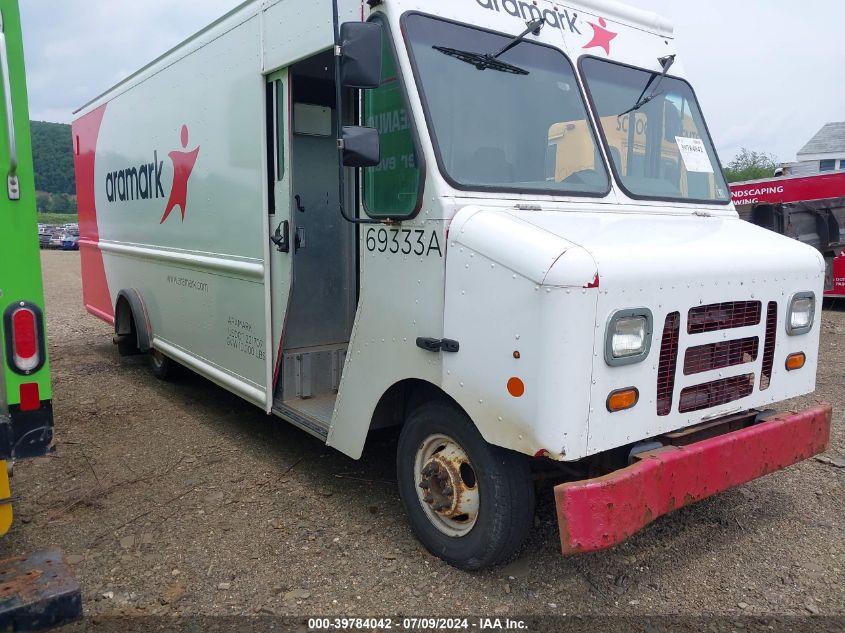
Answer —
665 63
480 61
483 61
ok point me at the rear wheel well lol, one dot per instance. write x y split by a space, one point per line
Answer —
131 329
124 329
400 400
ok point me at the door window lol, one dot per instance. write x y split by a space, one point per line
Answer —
281 114
392 188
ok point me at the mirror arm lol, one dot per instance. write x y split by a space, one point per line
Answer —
339 124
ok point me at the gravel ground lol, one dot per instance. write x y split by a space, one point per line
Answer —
179 498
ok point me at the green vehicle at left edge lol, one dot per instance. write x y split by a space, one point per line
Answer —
38 590
26 411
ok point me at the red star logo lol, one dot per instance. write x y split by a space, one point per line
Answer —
183 166
601 36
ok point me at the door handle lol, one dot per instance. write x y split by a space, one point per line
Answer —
299 206
281 238
12 179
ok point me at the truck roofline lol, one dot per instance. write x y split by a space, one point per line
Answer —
628 15
195 38
609 9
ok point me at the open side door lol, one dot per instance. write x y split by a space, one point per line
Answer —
282 231
321 264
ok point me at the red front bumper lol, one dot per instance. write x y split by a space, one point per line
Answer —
599 513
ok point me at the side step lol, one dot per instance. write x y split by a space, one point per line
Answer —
312 415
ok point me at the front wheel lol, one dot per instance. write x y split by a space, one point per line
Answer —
163 368
469 503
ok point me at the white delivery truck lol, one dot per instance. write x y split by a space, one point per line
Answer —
528 259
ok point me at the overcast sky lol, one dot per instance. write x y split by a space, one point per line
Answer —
769 73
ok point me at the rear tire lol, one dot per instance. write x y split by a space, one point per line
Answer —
163 368
469 503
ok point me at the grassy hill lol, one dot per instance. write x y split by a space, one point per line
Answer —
52 153
57 219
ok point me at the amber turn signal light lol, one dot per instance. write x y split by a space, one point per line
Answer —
795 361
622 400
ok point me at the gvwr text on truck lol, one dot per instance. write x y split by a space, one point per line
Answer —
503 228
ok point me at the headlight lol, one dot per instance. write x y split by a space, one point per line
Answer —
628 337
802 313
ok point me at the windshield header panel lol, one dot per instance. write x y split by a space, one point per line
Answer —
655 135
510 122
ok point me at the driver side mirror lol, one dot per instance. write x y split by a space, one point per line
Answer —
360 67
361 147
360 55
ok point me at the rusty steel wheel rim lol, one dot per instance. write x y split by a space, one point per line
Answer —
447 486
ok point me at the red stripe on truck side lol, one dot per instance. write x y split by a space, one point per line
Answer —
95 286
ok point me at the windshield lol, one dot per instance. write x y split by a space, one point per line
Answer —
660 150
516 124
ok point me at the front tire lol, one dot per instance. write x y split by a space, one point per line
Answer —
469 503
162 367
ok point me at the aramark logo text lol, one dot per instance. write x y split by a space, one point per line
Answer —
528 11
144 182
558 18
136 183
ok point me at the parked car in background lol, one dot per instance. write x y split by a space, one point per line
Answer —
44 237
70 242
56 239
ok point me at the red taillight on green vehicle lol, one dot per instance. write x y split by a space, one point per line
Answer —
24 344
24 338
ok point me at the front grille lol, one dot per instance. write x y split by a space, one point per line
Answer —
769 349
668 363
724 316
720 355
716 393
700 357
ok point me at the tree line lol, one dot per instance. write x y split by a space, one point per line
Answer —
751 165
52 155
55 202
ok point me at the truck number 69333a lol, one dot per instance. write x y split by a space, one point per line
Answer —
405 241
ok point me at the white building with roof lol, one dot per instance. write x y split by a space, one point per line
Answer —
823 153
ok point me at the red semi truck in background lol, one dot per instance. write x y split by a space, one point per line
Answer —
810 209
